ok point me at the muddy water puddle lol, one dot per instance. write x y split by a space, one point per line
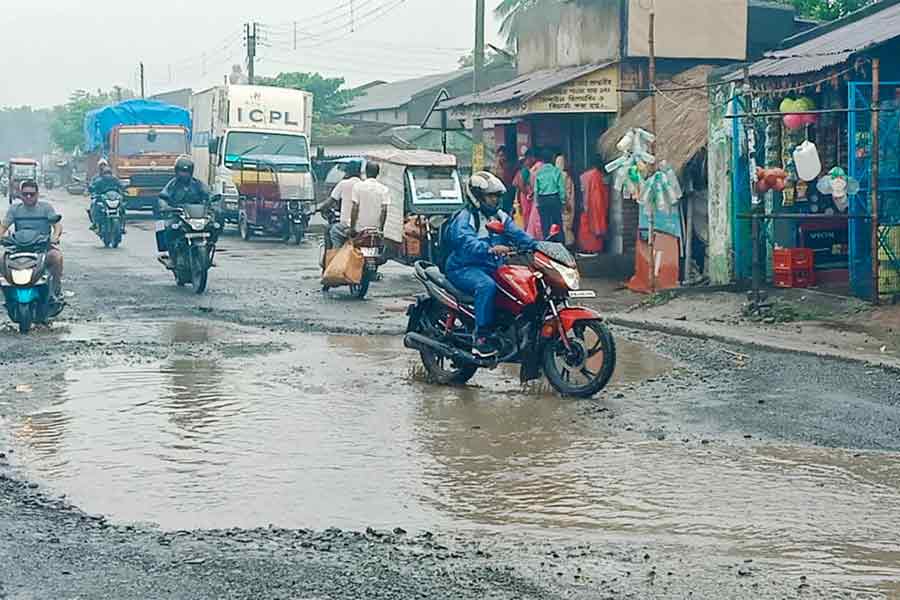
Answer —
335 432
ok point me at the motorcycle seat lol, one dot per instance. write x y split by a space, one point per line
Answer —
435 275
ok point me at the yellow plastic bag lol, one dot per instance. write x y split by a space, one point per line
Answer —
518 218
345 268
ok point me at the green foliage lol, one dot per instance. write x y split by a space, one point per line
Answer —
827 10
328 97
67 124
510 12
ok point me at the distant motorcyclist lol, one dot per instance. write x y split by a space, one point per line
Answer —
182 190
476 255
104 182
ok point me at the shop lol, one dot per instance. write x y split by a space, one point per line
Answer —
801 133
562 111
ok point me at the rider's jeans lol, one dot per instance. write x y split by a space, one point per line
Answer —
480 283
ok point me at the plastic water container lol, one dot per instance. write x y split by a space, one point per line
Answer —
807 161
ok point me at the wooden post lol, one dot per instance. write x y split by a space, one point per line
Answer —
876 151
651 234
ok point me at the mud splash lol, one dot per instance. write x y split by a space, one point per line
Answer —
330 433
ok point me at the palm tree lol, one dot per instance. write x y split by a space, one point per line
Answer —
511 11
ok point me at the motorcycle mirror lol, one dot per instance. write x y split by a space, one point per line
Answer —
496 227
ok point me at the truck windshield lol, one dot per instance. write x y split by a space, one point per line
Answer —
163 142
435 185
261 145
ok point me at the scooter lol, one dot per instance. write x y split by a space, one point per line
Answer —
26 281
538 326
110 225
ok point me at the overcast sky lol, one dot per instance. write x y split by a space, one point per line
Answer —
51 47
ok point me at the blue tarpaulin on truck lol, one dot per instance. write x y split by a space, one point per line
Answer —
99 123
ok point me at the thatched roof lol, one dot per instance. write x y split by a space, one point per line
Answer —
682 120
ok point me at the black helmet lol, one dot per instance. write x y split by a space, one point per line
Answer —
184 164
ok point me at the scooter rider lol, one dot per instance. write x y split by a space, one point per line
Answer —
183 189
104 182
476 255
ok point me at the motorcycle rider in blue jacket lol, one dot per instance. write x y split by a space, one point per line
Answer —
476 254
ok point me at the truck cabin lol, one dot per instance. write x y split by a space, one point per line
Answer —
136 142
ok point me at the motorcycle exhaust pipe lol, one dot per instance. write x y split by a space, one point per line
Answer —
417 341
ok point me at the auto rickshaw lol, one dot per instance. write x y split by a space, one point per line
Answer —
425 190
273 199
20 169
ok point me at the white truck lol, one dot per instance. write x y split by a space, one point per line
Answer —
239 125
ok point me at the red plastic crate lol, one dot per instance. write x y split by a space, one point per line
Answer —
793 259
786 278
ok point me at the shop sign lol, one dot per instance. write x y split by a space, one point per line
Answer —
595 92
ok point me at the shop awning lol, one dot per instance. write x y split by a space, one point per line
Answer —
832 44
682 120
579 89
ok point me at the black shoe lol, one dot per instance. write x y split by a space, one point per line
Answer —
484 348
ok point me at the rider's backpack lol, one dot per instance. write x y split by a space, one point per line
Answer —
444 248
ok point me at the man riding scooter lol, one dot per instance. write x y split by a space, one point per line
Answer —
476 255
104 182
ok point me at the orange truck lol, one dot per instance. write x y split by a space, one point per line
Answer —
141 139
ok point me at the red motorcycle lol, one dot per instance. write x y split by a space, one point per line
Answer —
537 326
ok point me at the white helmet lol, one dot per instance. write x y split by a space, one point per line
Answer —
484 183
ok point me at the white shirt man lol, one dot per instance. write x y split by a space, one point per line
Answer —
370 200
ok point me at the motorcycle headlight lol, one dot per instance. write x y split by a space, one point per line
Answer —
22 276
570 276
294 205
197 224
112 203
175 225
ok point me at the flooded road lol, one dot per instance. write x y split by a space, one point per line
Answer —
265 402
320 431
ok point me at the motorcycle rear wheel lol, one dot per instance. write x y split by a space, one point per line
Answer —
360 289
559 363
440 370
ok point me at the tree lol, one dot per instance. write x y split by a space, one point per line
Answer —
827 10
491 57
510 12
329 97
67 124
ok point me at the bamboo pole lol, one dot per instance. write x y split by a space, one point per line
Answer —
651 236
876 151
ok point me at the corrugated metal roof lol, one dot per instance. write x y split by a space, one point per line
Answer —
399 93
523 88
834 44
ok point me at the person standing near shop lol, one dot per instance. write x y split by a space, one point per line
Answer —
550 194
593 224
568 213
524 184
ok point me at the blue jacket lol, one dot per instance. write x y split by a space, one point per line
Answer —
470 248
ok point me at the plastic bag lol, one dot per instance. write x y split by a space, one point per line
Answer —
345 268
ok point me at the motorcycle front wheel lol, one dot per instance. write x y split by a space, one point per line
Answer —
26 317
584 368
199 269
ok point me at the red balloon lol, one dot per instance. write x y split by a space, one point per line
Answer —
794 121
810 119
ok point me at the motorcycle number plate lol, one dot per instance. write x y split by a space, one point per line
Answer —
582 294
369 252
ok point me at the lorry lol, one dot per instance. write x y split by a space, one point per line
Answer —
141 140
243 128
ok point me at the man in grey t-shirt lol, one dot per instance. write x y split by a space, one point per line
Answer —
32 213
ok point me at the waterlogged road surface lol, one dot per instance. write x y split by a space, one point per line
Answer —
267 403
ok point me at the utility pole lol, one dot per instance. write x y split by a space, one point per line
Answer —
250 31
142 80
651 234
477 79
295 35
